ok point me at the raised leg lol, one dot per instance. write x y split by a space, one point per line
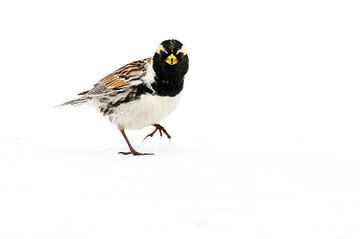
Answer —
161 131
132 150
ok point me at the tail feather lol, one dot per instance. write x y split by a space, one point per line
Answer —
76 102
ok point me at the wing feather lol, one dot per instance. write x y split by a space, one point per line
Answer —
120 79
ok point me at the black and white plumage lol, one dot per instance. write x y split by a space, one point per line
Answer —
142 92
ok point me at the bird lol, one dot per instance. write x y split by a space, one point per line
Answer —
141 93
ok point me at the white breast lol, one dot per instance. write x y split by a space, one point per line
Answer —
147 110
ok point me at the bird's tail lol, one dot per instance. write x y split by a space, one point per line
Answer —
76 102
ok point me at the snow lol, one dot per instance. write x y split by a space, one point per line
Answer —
182 192
265 141
185 191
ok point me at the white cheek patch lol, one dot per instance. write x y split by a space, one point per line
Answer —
161 49
182 50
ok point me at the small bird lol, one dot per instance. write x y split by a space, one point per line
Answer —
141 93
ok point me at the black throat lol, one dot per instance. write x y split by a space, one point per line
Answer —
168 87
169 79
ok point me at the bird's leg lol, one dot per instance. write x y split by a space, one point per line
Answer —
132 150
161 131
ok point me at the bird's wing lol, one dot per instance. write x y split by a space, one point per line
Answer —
120 79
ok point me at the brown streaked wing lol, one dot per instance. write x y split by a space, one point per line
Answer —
120 78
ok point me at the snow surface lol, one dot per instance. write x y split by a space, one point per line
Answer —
265 140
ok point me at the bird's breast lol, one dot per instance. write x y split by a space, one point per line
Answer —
147 110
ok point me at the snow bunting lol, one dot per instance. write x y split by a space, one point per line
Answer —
142 92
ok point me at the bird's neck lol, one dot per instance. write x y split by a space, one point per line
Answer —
168 86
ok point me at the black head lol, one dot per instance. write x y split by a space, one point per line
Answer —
170 61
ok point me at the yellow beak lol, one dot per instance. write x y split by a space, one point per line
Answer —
171 60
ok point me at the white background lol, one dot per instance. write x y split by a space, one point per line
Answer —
265 140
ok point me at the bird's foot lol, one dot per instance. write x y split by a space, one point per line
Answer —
161 131
135 153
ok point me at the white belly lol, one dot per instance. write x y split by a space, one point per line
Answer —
147 110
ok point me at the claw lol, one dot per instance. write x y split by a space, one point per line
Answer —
132 150
135 153
161 131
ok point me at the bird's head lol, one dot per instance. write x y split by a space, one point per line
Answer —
170 59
